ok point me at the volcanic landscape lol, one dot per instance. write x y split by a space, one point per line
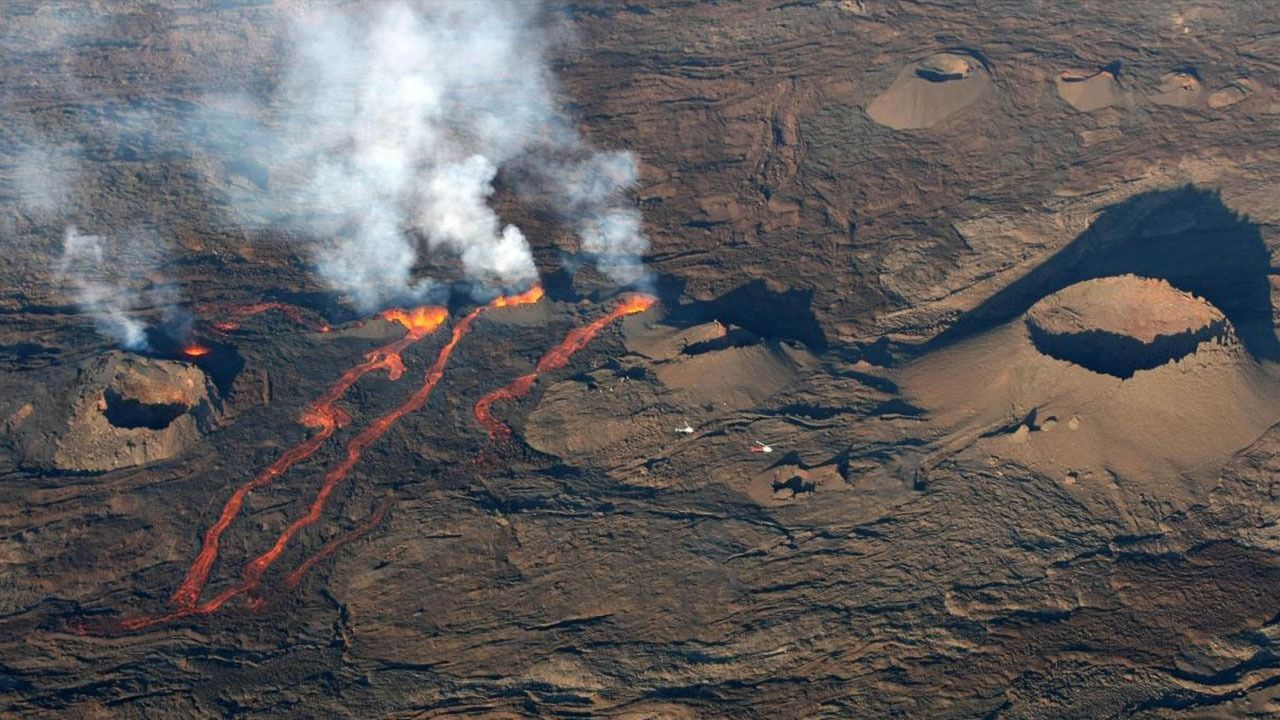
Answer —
767 359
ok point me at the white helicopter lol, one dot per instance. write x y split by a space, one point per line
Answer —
760 447
686 430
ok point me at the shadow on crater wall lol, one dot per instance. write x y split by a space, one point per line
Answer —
1186 236
783 314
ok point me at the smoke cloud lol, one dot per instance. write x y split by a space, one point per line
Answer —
390 127
105 275
593 193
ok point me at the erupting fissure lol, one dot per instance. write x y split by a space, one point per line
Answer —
321 415
555 358
325 417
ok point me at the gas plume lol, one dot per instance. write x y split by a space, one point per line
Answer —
109 279
387 134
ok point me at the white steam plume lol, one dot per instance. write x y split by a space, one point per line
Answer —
109 279
387 133
593 197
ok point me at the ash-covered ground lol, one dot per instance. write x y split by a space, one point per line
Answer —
994 283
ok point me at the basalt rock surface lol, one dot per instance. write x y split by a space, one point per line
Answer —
953 523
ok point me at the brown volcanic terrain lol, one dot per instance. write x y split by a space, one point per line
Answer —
952 523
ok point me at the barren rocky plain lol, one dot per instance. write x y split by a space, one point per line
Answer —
995 281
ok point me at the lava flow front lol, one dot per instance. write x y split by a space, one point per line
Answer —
295 576
555 358
325 417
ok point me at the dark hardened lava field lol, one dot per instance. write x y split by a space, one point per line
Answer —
910 548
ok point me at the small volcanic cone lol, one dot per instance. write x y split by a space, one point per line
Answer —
1119 325
1088 92
555 358
929 91
121 410
1178 89
1116 376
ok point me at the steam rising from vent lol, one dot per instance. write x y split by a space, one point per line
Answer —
103 275
390 127
593 191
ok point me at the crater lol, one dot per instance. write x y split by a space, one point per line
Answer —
131 412
1088 92
121 410
1120 325
1180 88
928 91
1186 237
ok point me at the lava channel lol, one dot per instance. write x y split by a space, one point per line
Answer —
322 415
253 572
555 358
234 316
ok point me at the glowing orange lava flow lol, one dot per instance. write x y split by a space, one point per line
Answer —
239 313
253 572
555 358
419 322
323 416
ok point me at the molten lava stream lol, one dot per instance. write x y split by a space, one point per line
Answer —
420 322
238 313
322 415
255 569
555 358
251 578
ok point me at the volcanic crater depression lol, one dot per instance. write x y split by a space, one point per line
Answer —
1122 324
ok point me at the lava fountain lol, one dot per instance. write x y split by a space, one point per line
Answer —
193 350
